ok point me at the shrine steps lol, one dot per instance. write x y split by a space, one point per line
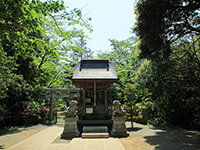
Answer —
95 132
95 135
83 123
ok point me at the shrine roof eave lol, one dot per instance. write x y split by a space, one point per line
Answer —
94 80
89 83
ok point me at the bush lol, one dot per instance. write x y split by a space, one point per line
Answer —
146 113
31 113
138 114
35 113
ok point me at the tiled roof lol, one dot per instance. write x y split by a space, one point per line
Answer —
94 69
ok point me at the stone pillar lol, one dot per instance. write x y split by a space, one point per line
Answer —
51 109
70 128
119 118
119 127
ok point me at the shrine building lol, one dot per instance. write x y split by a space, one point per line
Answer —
94 77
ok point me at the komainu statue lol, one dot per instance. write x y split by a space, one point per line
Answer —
118 111
71 110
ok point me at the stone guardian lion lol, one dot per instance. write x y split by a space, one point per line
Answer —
71 110
118 111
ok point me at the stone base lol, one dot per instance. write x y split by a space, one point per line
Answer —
119 127
119 134
95 135
95 132
70 128
69 135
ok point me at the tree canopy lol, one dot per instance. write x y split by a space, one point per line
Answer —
37 40
169 37
124 56
40 42
161 22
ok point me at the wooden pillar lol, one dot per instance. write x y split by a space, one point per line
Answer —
106 103
51 109
84 109
95 90
79 101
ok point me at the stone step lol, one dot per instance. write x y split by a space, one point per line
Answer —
95 135
94 129
95 132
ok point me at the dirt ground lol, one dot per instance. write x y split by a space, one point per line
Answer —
144 137
12 138
141 137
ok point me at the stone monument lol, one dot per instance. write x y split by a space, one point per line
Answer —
118 117
70 128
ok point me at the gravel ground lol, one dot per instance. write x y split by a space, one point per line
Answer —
141 137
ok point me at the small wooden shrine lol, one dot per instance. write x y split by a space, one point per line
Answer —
95 118
94 77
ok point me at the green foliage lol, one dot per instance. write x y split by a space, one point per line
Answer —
130 96
124 56
7 77
8 129
21 24
174 87
31 113
169 37
35 52
159 27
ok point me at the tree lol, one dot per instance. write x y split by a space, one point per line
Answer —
174 84
131 97
159 27
124 56
32 34
169 37
82 51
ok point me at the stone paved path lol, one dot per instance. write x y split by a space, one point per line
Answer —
44 140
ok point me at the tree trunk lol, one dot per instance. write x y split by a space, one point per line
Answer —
131 116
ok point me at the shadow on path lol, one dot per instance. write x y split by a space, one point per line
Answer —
143 137
134 129
34 127
165 139
61 140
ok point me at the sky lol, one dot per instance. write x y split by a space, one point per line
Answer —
111 19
